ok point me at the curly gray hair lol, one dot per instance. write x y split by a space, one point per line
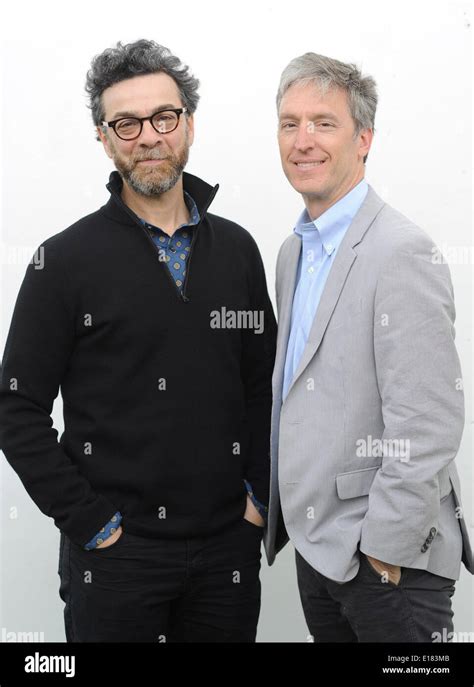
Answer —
134 59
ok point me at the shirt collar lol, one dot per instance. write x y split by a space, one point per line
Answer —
332 224
193 210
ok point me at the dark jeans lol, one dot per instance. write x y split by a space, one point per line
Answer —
365 609
157 590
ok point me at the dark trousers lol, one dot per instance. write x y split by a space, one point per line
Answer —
156 590
367 609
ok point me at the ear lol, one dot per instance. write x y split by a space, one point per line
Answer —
365 141
105 140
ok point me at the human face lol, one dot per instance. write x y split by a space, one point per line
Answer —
152 163
321 156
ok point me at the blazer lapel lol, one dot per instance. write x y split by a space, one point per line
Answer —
287 290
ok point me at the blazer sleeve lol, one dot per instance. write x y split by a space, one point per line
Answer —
420 385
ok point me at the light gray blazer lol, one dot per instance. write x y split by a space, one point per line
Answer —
363 446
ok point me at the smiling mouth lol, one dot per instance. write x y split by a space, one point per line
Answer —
310 165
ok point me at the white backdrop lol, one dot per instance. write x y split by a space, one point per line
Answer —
53 171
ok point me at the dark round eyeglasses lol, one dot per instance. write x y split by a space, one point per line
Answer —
163 122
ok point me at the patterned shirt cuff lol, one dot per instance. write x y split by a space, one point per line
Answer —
263 510
105 532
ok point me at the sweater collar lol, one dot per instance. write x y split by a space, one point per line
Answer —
202 193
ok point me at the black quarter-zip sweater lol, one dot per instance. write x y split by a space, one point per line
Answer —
164 414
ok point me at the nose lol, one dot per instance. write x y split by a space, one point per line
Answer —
305 138
149 136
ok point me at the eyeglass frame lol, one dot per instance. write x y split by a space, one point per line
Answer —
178 112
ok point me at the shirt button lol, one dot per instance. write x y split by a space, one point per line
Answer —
310 270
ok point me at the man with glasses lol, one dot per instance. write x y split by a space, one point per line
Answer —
159 483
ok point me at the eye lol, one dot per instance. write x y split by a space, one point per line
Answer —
287 125
126 124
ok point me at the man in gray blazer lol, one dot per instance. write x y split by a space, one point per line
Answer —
368 402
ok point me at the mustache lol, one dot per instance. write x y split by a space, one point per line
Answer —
151 155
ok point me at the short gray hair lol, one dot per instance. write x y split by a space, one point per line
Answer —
134 59
327 73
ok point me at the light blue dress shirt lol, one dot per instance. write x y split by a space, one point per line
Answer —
320 241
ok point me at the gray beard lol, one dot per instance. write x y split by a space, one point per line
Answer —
155 187
149 186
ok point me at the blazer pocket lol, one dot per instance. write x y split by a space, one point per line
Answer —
355 483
